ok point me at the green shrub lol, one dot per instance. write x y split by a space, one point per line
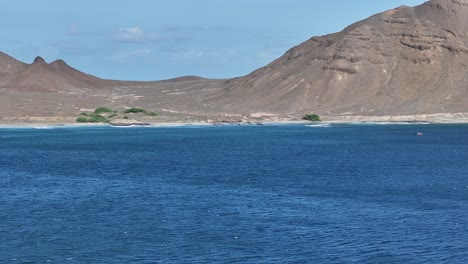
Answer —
134 110
101 110
92 118
312 117
150 113
82 120
95 118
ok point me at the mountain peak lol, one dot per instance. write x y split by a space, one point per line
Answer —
39 59
59 63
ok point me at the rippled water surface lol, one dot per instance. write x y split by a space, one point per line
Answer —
253 194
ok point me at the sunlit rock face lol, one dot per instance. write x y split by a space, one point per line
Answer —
405 60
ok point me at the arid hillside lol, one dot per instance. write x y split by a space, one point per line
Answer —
405 61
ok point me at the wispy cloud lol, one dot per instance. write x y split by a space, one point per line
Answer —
131 54
193 54
134 35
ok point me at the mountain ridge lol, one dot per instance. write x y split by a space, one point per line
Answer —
325 72
404 61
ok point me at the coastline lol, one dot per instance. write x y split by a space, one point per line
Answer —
203 124
440 118
436 118
153 124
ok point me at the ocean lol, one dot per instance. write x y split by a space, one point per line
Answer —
235 194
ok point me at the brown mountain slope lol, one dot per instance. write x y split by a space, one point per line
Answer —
406 61
403 61
56 76
9 65
88 80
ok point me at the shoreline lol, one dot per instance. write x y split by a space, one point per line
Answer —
204 124
153 124
64 122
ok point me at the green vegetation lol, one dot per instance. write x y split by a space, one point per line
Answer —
104 115
150 113
82 120
102 110
96 116
136 110
93 118
312 117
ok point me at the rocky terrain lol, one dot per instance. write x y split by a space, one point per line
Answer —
403 61
409 61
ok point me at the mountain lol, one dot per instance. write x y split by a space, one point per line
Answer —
9 65
41 76
405 61
47 90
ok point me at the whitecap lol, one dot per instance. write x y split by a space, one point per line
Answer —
319 125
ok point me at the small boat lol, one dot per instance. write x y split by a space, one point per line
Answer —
420 134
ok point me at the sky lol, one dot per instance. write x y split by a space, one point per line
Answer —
162 39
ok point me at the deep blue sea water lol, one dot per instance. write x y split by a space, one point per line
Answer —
235 194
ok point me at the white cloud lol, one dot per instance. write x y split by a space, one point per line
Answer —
131 54
133 35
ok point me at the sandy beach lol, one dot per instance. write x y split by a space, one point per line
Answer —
439 118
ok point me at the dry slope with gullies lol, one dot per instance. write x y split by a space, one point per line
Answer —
409 60
405 61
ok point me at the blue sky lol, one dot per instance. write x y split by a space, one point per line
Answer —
154 39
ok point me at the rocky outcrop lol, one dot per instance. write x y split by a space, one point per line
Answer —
127 122
40 60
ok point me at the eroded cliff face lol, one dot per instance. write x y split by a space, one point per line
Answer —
405 60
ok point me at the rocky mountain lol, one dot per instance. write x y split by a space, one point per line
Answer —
42 76
405 61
